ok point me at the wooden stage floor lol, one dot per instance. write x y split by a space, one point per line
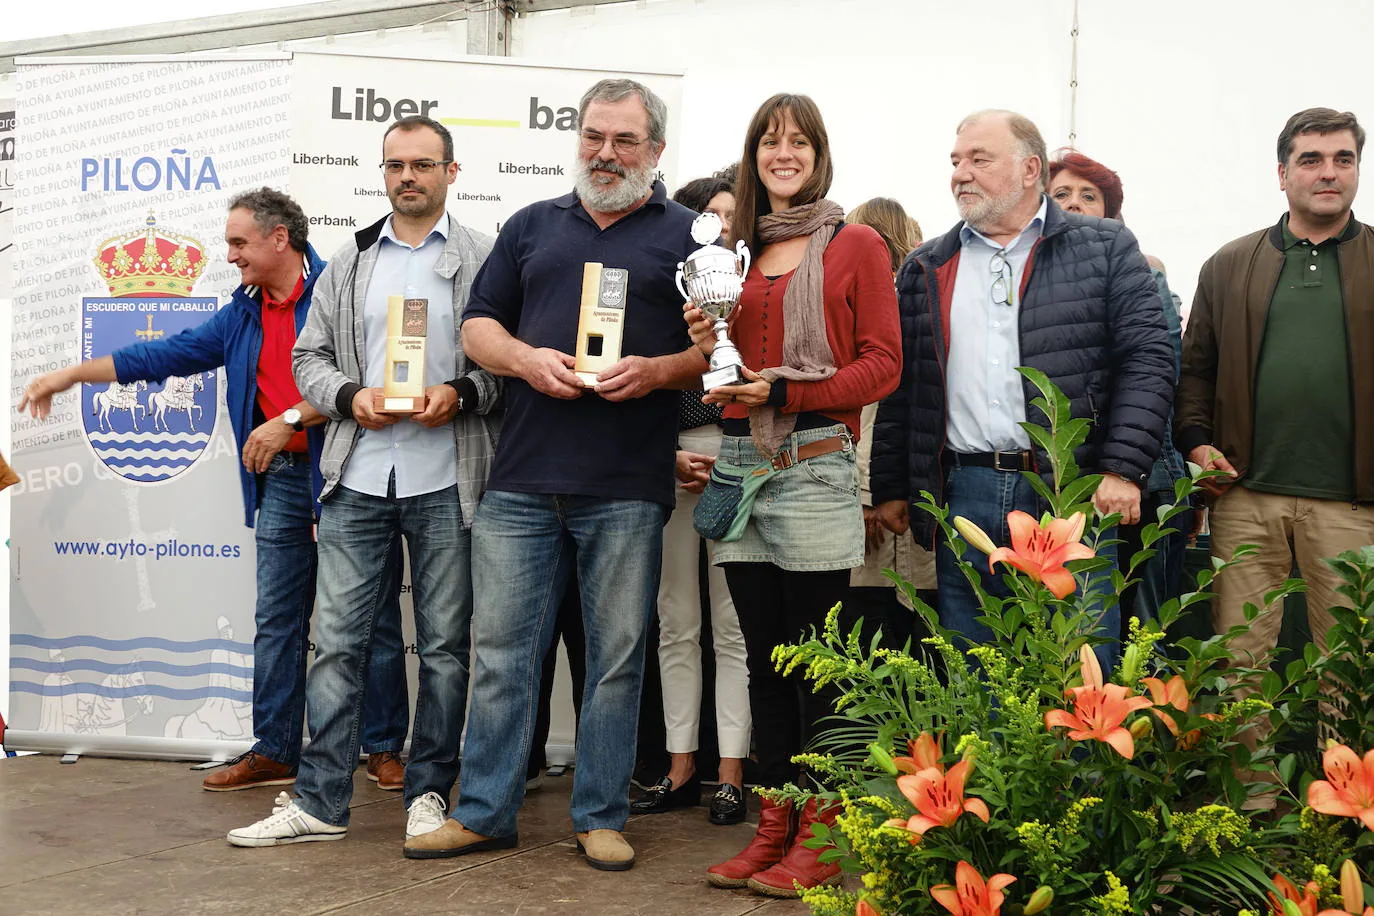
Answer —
141 837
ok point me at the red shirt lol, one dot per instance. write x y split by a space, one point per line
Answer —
276 386
861 326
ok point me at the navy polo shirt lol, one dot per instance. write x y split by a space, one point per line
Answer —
532 284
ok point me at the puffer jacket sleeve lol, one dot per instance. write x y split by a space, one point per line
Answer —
1142 357
889 475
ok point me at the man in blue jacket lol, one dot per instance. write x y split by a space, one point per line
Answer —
279 438
1018 282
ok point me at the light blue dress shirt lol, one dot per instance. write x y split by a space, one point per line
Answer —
425 460
986 401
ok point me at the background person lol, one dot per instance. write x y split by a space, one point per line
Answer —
1082 185
872 596
680 606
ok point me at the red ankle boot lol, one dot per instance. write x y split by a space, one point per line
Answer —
766 848
801 866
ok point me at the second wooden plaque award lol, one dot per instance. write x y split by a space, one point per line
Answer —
403 388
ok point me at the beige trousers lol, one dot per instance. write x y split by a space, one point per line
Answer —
1285 528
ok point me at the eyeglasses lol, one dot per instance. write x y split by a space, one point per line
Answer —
419 166
1002 277
591 140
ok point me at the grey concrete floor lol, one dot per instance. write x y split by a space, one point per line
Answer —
141 837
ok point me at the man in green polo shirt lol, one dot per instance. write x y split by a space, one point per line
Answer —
1277 387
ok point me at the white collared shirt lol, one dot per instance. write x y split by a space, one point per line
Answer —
986 400
425 459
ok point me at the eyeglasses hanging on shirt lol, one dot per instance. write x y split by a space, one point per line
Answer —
1002 278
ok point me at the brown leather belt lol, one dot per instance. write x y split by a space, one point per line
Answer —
784 460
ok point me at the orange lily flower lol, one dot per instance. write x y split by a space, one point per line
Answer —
1173 692
925 755
1348 790
970 895
1099 709
1368 911
866 909
939 798
1041 552
1306 899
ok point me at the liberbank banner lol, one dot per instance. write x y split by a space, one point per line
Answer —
514 132
132 575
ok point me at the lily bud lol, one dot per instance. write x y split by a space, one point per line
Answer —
1291 909
975 536
1130 662
880 756
1352 892
1141 727
1039 901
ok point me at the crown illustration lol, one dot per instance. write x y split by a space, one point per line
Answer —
153 262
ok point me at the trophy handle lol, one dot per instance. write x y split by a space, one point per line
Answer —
677 278
742 250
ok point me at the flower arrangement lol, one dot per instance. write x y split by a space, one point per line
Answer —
1034 781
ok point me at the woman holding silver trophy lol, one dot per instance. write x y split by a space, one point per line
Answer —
817 335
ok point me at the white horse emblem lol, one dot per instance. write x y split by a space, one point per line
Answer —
118 397
178 393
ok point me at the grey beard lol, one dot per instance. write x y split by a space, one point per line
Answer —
634 186
989 209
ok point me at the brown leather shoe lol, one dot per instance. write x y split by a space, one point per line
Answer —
386 770
453 839
249 771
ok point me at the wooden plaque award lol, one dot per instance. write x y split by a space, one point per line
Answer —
602 321
403 388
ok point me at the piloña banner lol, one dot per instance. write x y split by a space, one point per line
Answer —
514 132
132 576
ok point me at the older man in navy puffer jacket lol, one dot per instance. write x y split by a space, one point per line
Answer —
1017 283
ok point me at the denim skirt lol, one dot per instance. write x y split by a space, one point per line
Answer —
806 518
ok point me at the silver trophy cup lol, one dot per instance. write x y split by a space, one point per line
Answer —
713 278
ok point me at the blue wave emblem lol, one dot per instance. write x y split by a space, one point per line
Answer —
146 431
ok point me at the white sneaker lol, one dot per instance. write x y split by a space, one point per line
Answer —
426 815
289 823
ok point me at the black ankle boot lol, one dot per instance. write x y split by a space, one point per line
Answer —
663 797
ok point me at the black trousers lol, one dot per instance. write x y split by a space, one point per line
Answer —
775 607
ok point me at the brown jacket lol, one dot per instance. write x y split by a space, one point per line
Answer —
1221 348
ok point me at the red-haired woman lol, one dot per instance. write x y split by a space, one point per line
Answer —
818 321
1079 184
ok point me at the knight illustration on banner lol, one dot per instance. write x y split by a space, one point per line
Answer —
147 433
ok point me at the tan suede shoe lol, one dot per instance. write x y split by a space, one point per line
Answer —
606 850
453 839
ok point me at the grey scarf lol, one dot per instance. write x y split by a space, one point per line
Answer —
806 353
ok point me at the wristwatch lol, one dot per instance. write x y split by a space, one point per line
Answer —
292 418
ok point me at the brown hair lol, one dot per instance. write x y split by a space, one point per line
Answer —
900 232
751 198
1319 121
1107 181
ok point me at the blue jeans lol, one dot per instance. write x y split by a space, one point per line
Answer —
359 535
286 596
524 550
984 496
